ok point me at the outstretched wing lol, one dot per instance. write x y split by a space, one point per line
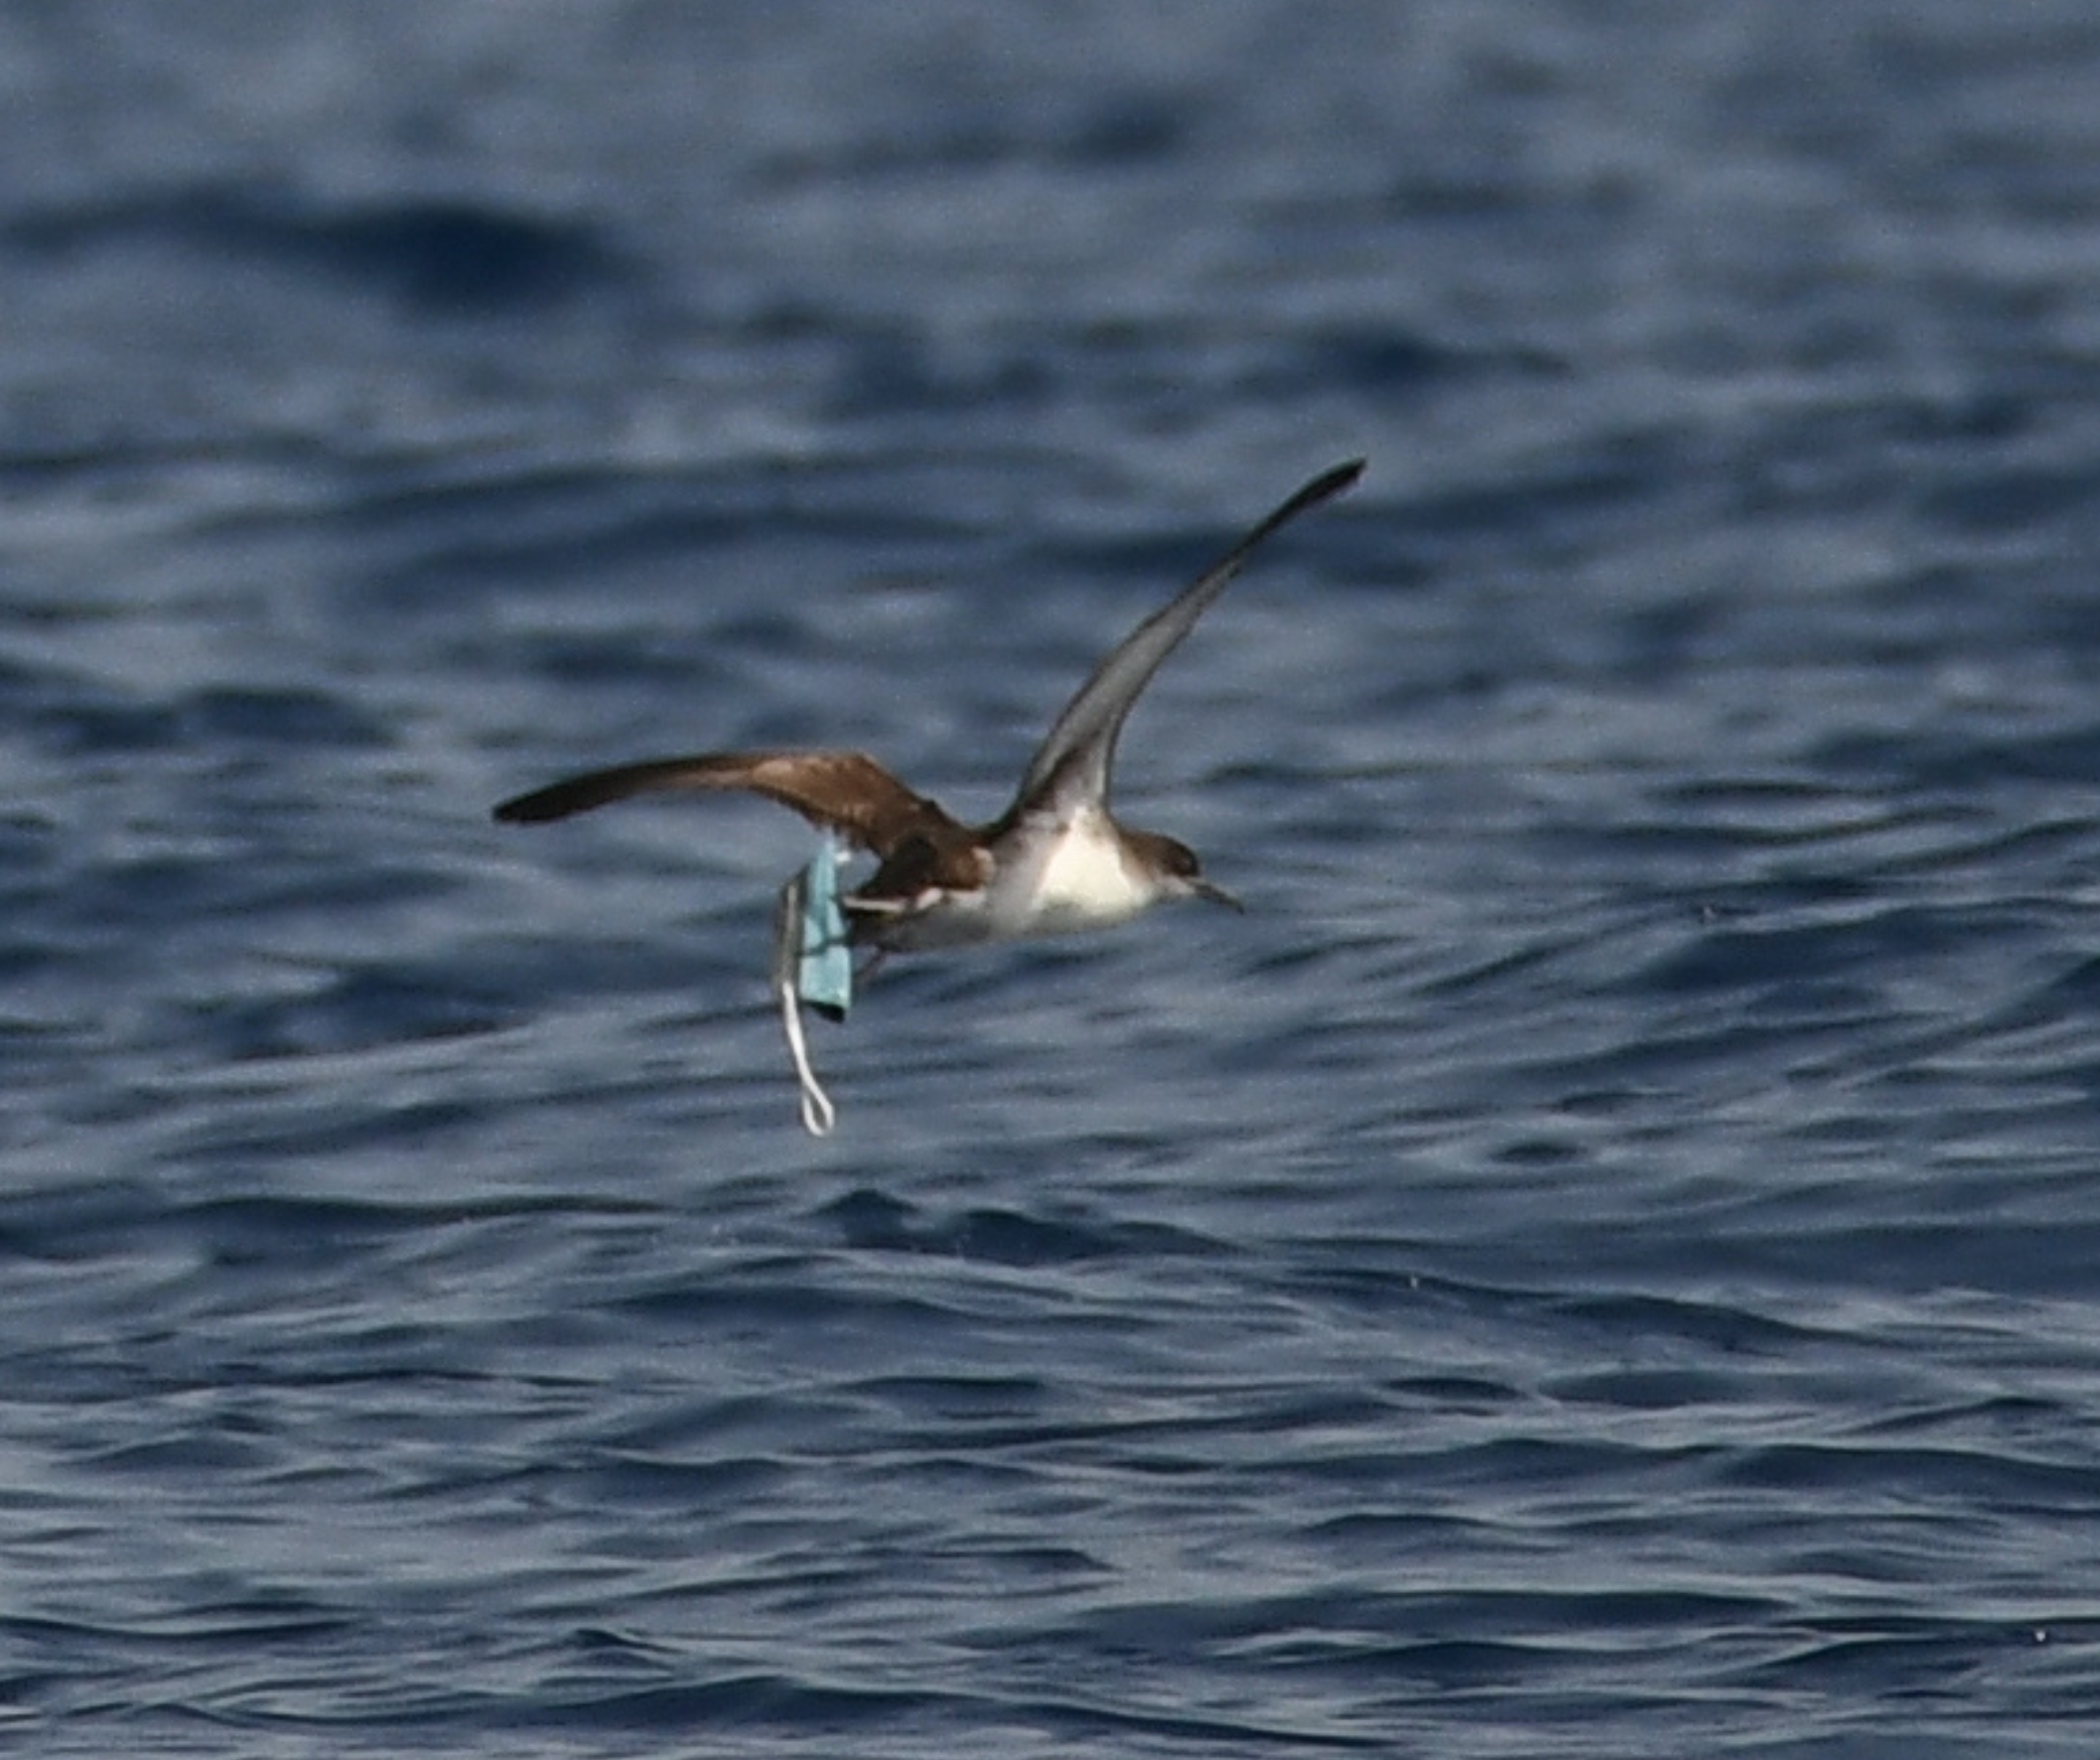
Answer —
845 791
1075 756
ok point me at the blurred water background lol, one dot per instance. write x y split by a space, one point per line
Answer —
1600 1260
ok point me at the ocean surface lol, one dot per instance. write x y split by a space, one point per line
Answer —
1602 1259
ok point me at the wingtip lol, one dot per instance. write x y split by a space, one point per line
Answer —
1331 482
536 808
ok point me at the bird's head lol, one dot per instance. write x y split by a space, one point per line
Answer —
1183 873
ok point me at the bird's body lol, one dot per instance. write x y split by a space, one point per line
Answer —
1041 879
1056 862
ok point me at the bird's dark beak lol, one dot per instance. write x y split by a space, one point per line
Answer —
1216 894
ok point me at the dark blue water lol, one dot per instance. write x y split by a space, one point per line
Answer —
1602 1259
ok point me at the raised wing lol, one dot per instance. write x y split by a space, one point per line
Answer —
1079 751
846 791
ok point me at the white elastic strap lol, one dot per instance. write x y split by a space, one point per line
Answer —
818 1114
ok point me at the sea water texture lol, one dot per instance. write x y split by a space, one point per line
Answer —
1602 1259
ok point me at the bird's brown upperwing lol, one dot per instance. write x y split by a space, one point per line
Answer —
845 791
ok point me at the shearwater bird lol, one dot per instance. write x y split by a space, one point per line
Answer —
1055 860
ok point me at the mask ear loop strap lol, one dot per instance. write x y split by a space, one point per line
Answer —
811 963
819 1116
